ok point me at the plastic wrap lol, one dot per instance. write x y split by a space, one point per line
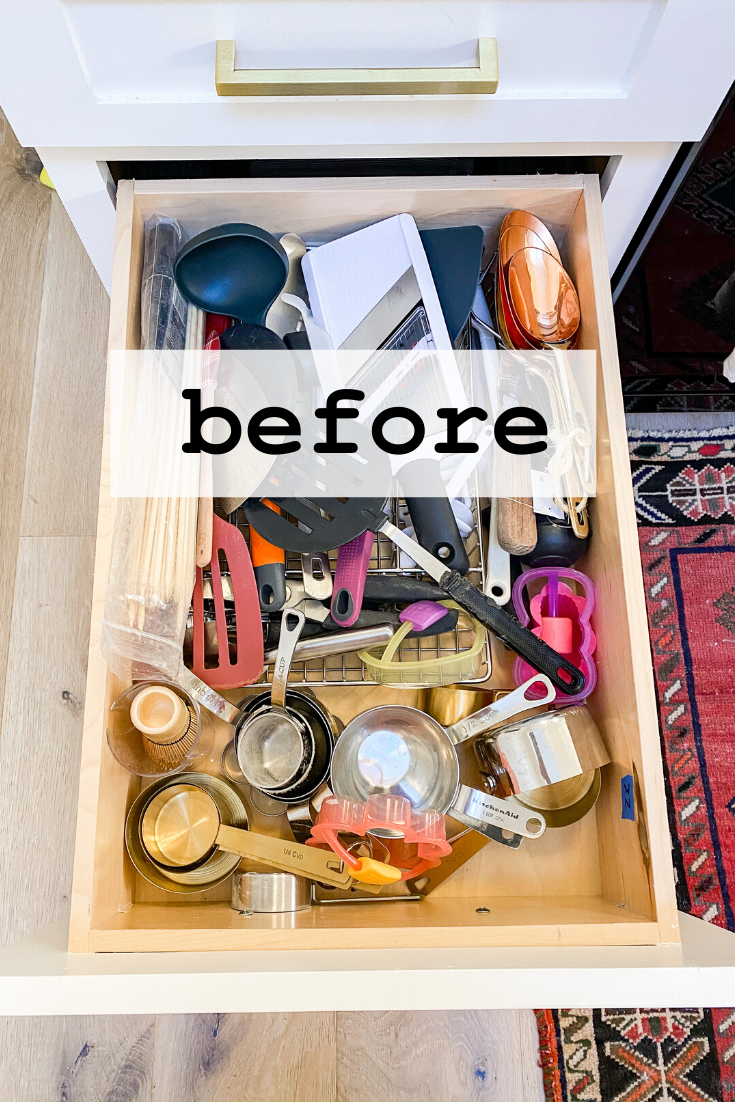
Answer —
163 309
152 565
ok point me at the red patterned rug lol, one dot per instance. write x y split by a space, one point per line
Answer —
663 1055
684 484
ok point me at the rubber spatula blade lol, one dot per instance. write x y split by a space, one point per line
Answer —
228 543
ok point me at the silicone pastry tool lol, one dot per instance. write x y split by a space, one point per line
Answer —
562 618
320 624
440 669
377 814
353 559
247 665
422 614
333 518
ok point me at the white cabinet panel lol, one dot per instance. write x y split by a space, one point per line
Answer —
38 976
114 75
153 51
96 80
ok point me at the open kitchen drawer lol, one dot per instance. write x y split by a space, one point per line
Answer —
603 881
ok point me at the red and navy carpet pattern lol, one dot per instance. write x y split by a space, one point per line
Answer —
684 483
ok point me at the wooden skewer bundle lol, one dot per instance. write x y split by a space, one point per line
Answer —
163 529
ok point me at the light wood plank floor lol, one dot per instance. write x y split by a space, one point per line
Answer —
53 323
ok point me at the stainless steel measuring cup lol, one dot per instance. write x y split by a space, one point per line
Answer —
400 750
275 745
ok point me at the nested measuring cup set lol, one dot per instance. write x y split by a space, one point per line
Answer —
374 793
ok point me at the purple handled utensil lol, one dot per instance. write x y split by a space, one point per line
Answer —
353 559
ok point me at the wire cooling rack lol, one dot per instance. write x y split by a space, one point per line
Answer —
347 669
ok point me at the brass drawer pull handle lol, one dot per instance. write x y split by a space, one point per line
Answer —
481 79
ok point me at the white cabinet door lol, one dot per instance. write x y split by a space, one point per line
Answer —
138 74
95 80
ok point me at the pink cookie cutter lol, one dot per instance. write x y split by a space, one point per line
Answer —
562 619
339 813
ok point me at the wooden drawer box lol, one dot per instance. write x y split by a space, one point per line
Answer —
604 881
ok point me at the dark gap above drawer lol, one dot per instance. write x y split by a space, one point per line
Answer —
378 166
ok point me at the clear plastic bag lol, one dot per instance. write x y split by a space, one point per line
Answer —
163 309
154 543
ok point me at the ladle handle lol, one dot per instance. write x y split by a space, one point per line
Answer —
502 709
480 811
286 856
287 641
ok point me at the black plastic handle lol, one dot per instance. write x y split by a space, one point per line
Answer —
270 578
399 589
432 517
367 618
559 670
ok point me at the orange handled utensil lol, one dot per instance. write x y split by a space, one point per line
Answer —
269 563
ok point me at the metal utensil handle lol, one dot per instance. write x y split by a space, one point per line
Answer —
318 588
472 804
208 698
502 835
537 653
287 641
502 709
339 642
286 856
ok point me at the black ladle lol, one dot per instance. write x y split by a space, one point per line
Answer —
236 269
239 270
